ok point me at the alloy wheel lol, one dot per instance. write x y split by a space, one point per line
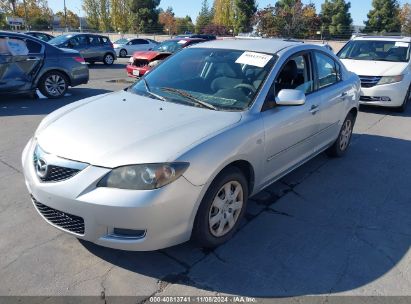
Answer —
345 136
226 208
55 85
109 59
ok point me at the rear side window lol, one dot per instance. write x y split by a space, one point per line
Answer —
105 40
139 41
328 70
94 41
33 47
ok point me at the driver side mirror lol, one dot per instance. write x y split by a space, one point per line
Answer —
290 98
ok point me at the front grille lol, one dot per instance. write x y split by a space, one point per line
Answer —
140 63
369 81
61 219
56 173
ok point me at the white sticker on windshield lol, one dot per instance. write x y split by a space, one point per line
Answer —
182 42
255 59
402 44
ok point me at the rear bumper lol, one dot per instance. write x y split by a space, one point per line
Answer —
80 75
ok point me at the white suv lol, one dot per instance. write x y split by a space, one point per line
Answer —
384 67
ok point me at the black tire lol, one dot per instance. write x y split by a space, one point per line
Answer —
123 53
341 145
53 84
403 107
202 232
108 59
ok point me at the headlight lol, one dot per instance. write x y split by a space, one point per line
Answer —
390 79
143 177
131 60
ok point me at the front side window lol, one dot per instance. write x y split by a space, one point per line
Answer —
377 50
296 75
225 80
326 70
60 39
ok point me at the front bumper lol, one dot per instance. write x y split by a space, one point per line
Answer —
165 215
396 93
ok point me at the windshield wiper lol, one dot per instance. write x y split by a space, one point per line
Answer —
191 98
151 93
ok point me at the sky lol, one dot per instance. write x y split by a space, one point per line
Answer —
359 8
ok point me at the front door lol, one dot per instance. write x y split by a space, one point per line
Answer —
290 130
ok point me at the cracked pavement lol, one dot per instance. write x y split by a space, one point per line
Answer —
332 227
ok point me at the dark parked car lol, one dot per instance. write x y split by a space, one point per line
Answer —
27 63
94 48
201 36
40 35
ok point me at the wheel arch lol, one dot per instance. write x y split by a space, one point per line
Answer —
62 71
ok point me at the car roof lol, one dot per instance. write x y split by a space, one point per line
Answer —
270 46
383 38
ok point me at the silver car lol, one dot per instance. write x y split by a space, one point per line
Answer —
127 46
176 158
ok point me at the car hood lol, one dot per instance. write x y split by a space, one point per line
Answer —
147 55
375 68
122 128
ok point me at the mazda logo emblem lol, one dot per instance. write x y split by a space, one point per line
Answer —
41 168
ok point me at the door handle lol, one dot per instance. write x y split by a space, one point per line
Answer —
314 109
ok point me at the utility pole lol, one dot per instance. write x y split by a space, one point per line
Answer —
79 18
25 15
65 15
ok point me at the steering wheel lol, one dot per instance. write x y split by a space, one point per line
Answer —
247 86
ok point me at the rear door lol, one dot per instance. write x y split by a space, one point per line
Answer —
17 72
96 48
80 44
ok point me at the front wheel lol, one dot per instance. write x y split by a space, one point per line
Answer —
53 84
108 59
343 141
222 209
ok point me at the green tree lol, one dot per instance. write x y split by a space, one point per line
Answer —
73 20
205 17
145 15
184 25
383 17
244 11
288 18
92 10
405 17
223 13
105 22
39 15
336 18
120 15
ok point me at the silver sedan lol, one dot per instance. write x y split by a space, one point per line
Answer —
176 156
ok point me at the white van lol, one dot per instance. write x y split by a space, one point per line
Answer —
384 67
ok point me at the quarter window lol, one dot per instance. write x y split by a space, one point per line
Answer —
328 71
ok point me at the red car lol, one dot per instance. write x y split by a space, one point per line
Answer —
142 62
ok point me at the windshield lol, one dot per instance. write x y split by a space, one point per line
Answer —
394 51
216 79
121 41
60 39
170 46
